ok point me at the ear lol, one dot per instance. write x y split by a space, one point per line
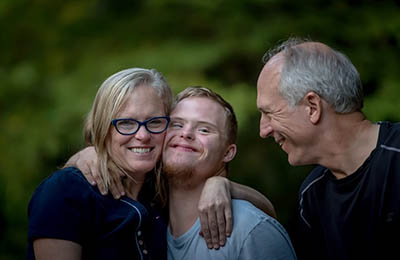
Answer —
230 153
313 104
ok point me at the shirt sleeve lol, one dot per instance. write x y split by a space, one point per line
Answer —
268 240
61 207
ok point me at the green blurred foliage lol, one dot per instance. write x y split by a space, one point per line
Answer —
55 54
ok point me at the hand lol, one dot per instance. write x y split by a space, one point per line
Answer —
86 161
215 210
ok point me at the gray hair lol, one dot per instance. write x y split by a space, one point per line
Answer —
108 102
329 73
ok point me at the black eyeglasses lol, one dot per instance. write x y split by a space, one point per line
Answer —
130 126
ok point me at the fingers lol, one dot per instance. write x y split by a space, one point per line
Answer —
215 212
204 228
228 220
100 183
88 175
221 228
209 227
212 223
117 189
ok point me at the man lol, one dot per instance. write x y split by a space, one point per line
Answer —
199 144
310 98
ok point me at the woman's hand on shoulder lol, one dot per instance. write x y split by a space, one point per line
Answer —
86 161
215 211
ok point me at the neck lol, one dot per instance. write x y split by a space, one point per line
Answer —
183 211
184 196
350 140
133 185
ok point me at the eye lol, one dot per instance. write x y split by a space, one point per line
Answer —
266 113
204 130
126 124
176 125
155 123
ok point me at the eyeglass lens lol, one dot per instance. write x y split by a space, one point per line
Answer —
154 125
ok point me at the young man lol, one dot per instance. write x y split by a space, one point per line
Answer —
199 144
310 98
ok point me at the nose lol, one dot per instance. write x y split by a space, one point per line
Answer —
187 133
142 134
265 127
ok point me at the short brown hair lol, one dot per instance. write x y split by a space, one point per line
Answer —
199 91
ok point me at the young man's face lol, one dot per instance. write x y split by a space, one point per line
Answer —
196 142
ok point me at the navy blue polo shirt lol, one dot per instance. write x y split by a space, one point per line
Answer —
65 206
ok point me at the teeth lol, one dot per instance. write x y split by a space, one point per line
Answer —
140 150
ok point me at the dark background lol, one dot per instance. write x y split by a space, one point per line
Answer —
54 55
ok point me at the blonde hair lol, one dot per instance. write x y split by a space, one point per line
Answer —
109 100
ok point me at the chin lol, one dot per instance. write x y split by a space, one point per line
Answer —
297 161
144 167
178 170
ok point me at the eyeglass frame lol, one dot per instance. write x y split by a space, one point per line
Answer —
114 122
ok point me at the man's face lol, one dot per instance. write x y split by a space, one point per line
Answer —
287 125
196 142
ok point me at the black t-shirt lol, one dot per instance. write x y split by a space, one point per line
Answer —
65 206
356 217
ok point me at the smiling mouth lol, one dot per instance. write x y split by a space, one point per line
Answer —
140 150
280 142
184 148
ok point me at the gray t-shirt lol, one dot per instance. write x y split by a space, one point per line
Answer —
255 235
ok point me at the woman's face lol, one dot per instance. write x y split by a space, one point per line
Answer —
137 154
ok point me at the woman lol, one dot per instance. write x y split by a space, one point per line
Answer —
70 219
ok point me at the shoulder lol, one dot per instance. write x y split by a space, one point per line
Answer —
245 208
69 178
64 185
389 134
392 126
259 234
246 217
315 177
65 175
61 206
